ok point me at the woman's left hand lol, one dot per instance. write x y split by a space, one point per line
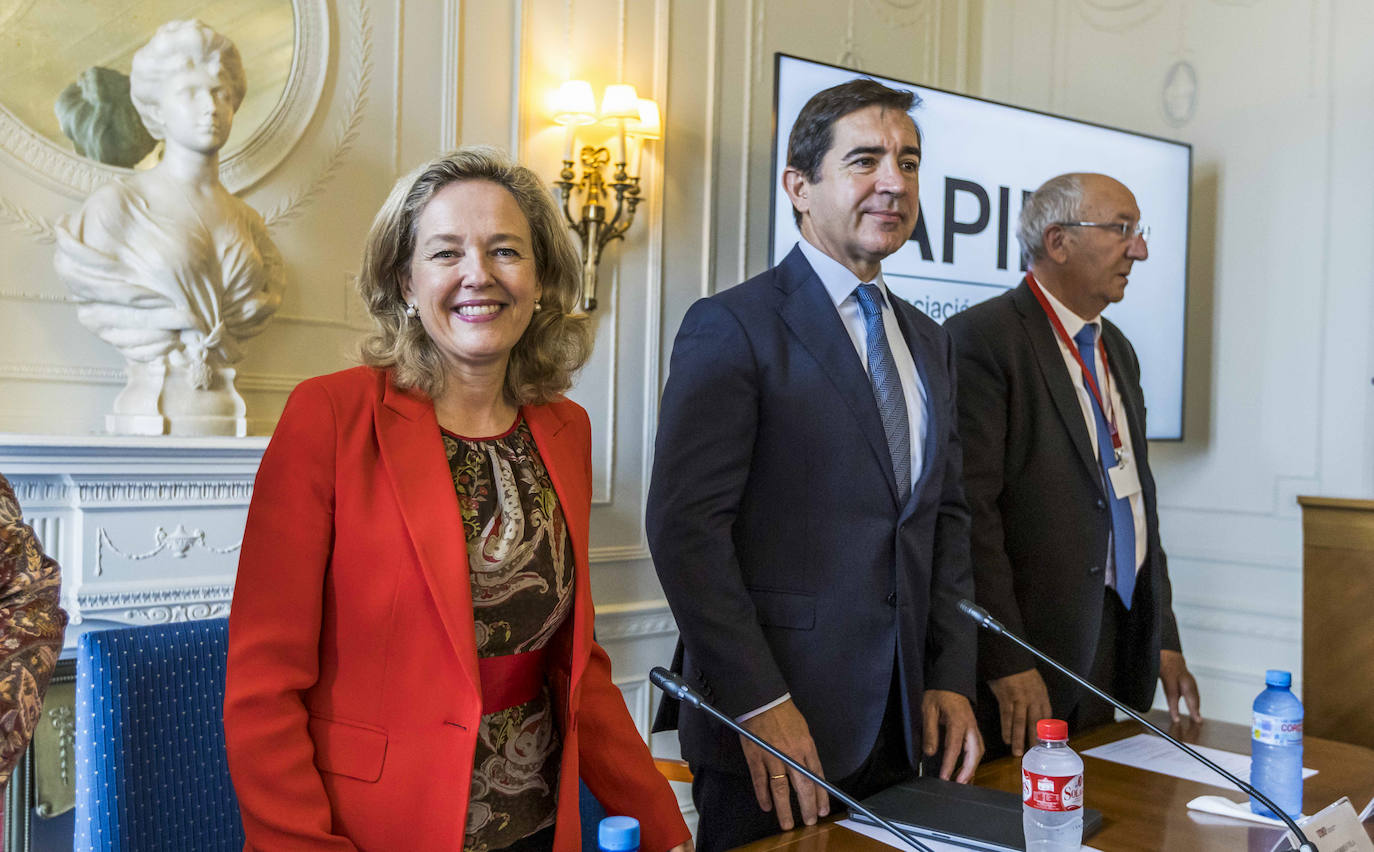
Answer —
684 847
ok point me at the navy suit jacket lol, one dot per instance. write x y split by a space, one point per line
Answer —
1040 517
789 559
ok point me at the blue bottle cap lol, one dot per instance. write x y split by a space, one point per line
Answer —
618 834
1278 677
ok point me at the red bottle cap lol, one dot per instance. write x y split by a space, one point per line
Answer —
1052 729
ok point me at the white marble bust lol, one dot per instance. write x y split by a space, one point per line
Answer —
167 265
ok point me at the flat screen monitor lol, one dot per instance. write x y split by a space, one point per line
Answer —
979 160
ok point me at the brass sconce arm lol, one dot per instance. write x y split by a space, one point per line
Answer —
592 227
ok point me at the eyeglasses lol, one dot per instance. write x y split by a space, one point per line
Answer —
1126 230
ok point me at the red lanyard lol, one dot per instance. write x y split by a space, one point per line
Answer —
1087 374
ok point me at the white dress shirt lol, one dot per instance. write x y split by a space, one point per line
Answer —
1073 324
840 283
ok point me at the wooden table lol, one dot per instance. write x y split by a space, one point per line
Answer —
1145 811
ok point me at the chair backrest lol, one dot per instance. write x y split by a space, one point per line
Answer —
151 772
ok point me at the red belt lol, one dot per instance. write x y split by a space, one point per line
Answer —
511 679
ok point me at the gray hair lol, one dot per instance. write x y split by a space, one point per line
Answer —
176 46
1058 199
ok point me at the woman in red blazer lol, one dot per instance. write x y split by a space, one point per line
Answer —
411 663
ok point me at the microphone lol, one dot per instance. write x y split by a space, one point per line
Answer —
987 622
675 687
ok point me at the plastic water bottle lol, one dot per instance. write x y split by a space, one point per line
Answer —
1276 746
1052 791
618 834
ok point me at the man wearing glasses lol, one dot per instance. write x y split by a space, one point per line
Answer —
1065 538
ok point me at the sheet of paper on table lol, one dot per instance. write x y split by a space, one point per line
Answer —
882 835
1156 754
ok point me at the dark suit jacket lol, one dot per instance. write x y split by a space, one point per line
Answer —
789 559
1040 517
353 699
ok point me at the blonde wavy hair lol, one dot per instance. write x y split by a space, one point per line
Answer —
554 345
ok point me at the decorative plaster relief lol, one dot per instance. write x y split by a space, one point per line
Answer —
156 606
178 543
1116 16
178 492
77 176
63 720
1179 97
359 54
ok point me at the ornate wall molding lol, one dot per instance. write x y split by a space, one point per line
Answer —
176 543
39 228
76 176
1178 98
359 74
155 605
1116 16
164 492
83 375
42 493
641 620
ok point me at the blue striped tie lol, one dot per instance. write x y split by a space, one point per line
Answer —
1123 523
887 386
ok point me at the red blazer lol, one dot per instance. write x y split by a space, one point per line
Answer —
352 700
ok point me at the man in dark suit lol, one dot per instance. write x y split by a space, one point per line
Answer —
806 513
1066 548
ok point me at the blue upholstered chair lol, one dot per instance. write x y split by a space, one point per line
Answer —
151 772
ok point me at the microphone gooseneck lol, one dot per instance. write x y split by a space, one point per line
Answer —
986 621
673 685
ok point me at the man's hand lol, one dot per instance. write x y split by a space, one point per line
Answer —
784 727
686 846
1022 700
1178 681
952 711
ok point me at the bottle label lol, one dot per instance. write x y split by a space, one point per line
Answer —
1052 792
1276 730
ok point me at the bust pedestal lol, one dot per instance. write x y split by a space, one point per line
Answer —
161 398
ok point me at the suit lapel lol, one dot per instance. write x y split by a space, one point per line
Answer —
1051 361
807 310
413 453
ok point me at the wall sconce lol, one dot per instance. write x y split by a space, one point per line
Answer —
634 117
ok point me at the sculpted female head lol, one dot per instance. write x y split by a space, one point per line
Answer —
553 345
183 64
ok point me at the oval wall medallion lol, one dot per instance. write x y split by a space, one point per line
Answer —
1179 97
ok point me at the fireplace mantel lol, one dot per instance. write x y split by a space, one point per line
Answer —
146 529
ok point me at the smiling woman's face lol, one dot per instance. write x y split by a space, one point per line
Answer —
472 275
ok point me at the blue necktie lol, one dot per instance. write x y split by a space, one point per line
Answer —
1123 524
887 387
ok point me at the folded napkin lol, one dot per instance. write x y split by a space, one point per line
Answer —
1222 806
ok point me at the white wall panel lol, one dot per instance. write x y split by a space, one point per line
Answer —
1279 307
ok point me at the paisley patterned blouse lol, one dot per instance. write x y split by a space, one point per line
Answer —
521 575
31 626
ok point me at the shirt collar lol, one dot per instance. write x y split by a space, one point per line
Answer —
837 280
1071 321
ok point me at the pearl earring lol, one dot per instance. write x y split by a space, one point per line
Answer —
412 311
537 306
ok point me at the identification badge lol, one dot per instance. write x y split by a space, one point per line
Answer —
1125 477
1336 828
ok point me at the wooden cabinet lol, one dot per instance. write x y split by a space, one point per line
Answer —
1338 618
